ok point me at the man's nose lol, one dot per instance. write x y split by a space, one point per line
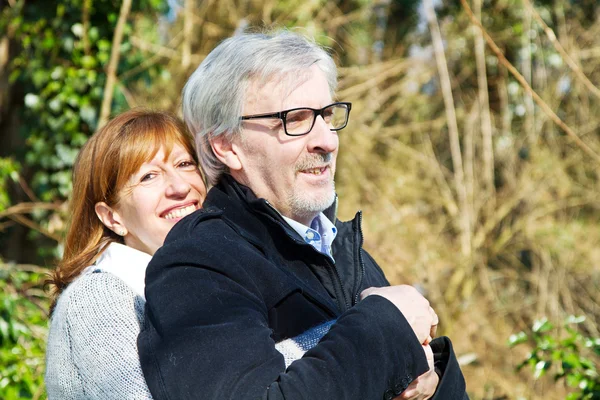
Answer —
177 186
321 138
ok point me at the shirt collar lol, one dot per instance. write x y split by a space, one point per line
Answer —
126 263
320 234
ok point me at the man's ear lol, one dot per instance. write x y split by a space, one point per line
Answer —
110 218
226 152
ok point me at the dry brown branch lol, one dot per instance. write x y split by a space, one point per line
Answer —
34 225
568 59
188 30
344 19
469 160
111 72
157 49
526 66
27 208
375 80
29 268
6 225
85 21
415 127
555 118
129 98
448 199
484 106
25 187
586 54
155 58
459 180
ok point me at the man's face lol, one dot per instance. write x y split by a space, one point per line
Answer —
295 174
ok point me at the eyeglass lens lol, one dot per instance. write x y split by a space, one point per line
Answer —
300 121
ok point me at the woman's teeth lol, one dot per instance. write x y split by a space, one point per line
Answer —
181 212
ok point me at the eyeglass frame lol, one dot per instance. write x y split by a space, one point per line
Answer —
282 115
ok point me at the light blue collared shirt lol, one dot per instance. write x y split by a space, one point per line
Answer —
320 234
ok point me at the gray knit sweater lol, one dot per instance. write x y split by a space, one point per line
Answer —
92 344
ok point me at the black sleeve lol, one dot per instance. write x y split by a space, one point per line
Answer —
452 382
207 336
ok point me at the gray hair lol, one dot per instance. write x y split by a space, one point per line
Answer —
214 95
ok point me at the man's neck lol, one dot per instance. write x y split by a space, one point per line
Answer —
304 220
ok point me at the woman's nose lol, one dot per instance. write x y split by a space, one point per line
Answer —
177 186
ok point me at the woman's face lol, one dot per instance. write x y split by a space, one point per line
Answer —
161 193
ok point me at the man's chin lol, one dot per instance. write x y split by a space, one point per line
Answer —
311 206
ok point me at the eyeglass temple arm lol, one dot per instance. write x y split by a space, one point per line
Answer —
259 116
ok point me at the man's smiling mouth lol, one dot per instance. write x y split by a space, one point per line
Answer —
315 171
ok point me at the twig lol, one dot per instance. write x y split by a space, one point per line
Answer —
415 127
150 61
484 107
131 102
6 225
26 208
85 19
555 118
188 30
585 54
111 72
35 226
529 125
375 79
455 151
157 49
570 62
28 190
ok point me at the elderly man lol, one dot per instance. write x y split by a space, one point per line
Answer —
266 261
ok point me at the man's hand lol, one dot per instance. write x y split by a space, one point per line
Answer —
415 308
424 386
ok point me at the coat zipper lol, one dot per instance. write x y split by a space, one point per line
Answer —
338 287
360 259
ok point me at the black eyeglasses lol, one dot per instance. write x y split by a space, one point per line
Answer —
300 121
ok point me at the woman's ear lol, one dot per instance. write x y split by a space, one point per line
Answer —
110 218
226 152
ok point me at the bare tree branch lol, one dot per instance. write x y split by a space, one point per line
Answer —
569 60
27 208
85 21
457 163
111 72
188 30
543 105
484 107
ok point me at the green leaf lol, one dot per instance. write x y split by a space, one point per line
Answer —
517 338
540 368
572 319
542 325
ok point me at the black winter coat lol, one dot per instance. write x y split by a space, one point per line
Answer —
233 278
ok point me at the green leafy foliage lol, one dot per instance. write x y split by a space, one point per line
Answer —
9 171
23 324
571 356
62 71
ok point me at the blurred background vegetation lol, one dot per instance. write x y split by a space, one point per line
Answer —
473 149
